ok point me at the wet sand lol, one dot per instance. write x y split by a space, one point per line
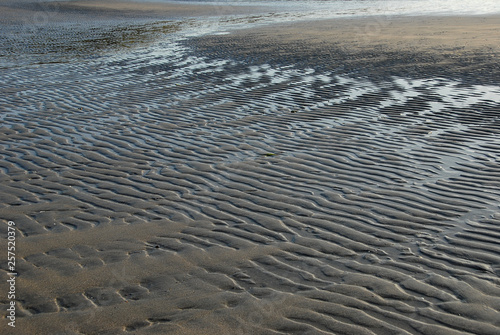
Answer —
22 10
465 48
280 180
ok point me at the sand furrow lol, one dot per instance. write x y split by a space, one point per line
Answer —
174 187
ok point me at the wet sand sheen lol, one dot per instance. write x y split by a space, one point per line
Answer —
200 186
378 46
26 11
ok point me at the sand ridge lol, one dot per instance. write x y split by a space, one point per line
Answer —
177 189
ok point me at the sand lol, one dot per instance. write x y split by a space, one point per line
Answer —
465 48
23 10
305 179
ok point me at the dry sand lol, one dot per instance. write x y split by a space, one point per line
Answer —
307 179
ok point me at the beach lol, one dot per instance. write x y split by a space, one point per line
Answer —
464 48
176 168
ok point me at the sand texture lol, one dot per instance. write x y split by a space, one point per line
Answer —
261 182
22 11
464 48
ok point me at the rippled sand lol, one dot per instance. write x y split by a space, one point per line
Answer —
261 182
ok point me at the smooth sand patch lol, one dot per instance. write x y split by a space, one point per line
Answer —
411 33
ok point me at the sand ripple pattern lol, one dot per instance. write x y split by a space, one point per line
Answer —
160 192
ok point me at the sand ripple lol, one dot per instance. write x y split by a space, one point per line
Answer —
158 191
